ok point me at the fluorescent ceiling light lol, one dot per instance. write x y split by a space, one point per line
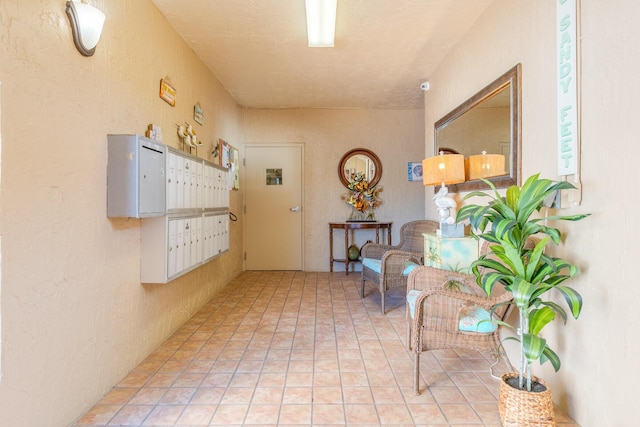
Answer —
321 22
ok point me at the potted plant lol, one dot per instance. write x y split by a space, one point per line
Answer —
529 274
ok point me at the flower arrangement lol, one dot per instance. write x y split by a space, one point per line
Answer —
362 198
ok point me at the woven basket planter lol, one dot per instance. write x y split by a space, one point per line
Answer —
521 408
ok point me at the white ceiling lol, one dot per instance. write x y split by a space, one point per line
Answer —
383 49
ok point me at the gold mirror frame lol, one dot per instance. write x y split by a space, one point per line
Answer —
360 152
512 80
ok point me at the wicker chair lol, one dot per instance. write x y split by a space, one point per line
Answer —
434 323
384 265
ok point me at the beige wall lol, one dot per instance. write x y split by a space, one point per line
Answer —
75 318
394 135
597 382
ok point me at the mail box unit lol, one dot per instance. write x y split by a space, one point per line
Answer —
175 244
136 184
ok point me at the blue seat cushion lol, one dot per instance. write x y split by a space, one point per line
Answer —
372 264
376 265
412 296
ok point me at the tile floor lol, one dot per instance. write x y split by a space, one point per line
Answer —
299 349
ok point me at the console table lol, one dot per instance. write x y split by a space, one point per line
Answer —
346 226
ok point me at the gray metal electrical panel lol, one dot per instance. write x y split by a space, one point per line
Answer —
136 184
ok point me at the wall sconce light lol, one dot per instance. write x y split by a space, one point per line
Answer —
86 25
442 170
321 22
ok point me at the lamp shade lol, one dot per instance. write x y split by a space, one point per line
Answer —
484 166
443 169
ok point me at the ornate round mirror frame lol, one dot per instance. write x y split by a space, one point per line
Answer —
363 152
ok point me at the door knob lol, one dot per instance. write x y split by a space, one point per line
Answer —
295 209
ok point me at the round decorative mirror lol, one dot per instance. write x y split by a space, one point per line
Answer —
363 161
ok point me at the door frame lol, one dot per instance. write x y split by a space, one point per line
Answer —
303 197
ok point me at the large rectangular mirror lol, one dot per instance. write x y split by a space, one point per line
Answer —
488 122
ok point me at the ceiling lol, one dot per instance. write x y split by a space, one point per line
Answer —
384 49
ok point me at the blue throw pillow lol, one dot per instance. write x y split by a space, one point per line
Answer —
476 319
409 266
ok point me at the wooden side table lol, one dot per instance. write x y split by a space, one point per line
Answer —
346 226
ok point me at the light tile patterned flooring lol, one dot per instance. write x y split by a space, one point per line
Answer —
300 349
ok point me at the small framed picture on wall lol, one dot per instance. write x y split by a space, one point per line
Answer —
414 171
168 92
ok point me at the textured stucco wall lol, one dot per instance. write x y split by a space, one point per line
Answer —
394 135
75 318
596 383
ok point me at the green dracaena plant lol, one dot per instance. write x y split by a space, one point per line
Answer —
521 268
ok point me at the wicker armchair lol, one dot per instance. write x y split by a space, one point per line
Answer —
434 322
384 265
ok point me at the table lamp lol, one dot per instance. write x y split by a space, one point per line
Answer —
441 170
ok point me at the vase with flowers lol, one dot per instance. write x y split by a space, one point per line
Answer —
363 198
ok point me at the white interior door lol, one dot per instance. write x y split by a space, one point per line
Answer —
274 219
